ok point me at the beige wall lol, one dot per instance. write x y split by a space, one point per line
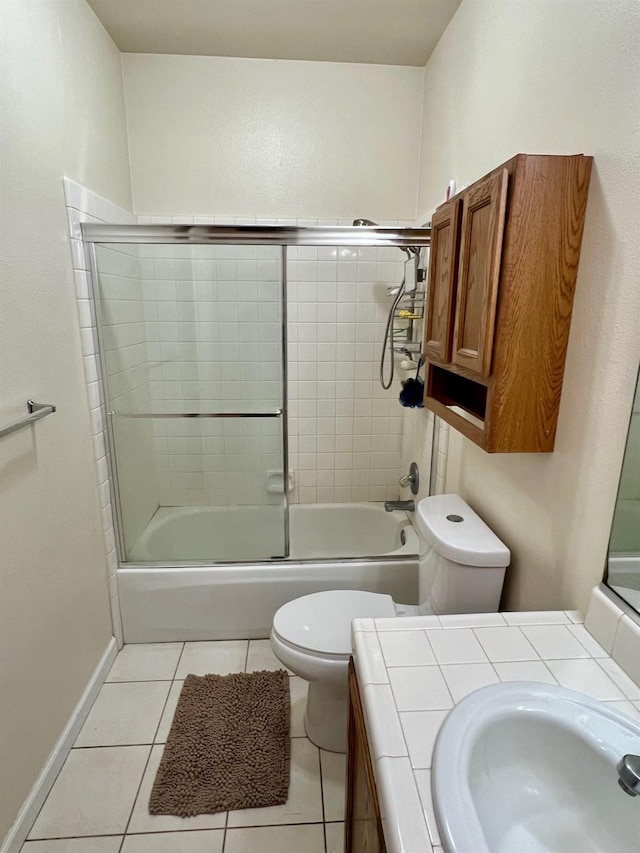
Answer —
561 77
62 114
265 138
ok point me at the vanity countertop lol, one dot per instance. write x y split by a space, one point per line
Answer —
413 670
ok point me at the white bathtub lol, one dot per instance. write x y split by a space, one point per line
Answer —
333 546
196 534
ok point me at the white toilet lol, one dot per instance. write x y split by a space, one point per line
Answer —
461 570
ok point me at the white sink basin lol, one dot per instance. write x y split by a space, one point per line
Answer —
524 767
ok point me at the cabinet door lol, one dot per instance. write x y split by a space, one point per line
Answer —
443 271
363 824
483 214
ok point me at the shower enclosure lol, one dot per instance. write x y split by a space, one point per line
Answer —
225 449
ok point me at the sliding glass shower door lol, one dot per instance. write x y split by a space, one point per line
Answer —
193 358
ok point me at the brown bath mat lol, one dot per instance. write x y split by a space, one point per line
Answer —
228 747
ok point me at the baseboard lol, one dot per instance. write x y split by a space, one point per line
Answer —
38 794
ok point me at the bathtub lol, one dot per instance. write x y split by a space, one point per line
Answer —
333 546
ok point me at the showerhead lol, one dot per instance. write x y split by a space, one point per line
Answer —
410 251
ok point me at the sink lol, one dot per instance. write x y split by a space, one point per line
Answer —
523 767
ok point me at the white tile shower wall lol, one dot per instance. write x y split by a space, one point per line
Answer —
86 206
417 443
345 430
213 324
417 432
213 332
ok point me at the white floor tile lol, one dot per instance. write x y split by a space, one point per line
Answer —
502 644
276 839
110 844
261 657
146 662
421 730
335 837
125 713
333 767
206 841
305 798
406 648
168 712
463 679
526 670
222 658
456 645
93 794
298 689
142 821
586 677
554 642
419 688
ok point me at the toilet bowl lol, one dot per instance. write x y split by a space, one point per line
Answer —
461 570
312 637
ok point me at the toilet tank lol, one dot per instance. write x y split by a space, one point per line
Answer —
461 562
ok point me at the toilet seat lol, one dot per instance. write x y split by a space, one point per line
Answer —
320 624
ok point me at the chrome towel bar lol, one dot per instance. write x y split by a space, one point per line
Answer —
36 411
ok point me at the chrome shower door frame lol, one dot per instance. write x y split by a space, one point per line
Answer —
248 235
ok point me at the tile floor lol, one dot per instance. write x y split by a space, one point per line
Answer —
99 801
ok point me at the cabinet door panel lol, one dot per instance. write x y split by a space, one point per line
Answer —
483 215
443 271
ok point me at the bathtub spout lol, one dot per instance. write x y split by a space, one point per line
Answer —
407 506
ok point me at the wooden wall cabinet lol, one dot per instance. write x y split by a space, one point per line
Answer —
363 825
503 266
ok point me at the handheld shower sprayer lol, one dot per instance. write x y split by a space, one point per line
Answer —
397 292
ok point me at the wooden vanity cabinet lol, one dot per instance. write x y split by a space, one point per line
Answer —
503 266
363 824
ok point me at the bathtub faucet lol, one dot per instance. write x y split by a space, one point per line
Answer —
407 506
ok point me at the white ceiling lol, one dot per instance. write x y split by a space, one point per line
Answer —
387 32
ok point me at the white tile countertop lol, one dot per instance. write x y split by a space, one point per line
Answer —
413 670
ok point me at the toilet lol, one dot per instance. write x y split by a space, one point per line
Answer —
461 569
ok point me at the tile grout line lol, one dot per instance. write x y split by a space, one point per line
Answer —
224 831
135 799
175 671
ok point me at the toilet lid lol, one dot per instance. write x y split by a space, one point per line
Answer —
321 622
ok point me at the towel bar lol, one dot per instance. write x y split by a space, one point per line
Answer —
36 411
